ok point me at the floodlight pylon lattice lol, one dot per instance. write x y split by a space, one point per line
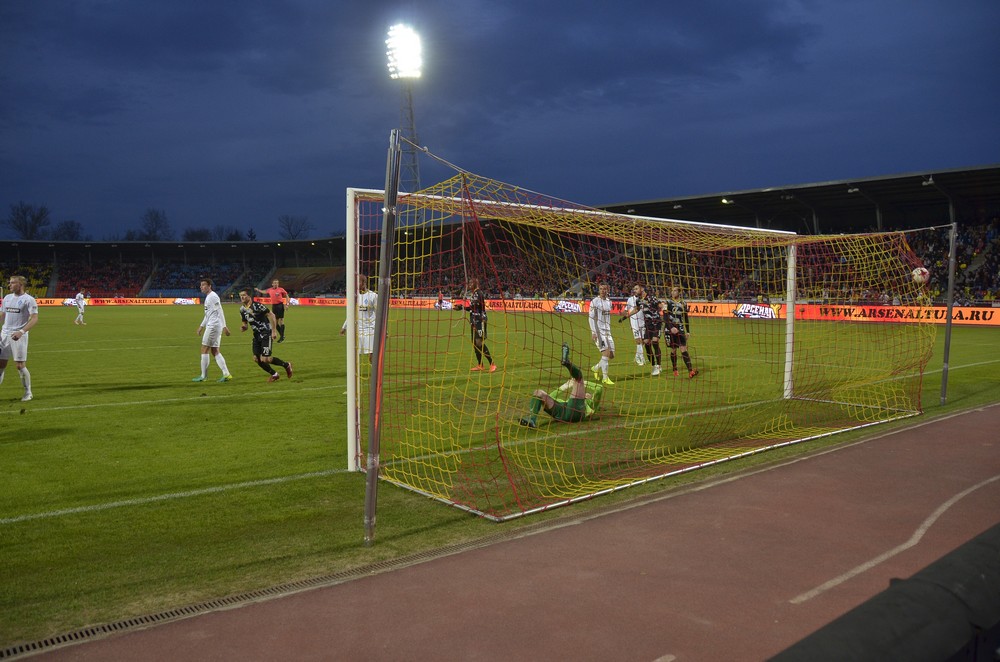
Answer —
409 174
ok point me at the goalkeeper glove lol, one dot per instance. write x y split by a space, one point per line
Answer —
622 319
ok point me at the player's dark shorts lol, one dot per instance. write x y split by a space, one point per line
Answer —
261 346
678 340
652 331
571 411
279 310
478 330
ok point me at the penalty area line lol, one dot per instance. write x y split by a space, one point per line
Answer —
169 497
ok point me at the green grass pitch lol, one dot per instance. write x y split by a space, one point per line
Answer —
128 489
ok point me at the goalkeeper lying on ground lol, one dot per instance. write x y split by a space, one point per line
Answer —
584 398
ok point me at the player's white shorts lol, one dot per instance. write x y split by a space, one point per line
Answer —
13 350
212 336
638 330
366 340
605 342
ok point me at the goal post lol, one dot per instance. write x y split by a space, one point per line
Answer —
789 389
350 328
773 353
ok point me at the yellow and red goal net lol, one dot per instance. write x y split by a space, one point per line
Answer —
765 375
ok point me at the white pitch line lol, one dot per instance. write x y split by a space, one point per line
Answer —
964 365
914 539
219 396
169 497
74 350
66 347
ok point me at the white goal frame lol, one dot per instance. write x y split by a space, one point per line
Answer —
353 235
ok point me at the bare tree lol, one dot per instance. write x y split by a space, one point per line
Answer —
196 234
226 233
294 227
251 235
155 226
28 221
68 231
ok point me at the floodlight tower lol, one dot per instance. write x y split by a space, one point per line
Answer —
405 55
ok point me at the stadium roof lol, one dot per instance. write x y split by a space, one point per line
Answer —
914 200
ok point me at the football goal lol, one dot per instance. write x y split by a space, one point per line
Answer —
770 357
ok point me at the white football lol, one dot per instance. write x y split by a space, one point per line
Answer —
920 275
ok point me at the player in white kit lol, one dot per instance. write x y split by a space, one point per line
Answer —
81 303
18 313
638 324
367 301
211 329
600 333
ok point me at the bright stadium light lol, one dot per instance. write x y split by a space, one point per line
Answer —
405 55
404 52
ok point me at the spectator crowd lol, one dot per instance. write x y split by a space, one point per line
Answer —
517 262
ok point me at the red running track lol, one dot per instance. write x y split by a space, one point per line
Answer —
738 567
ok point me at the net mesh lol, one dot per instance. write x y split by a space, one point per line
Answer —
453 431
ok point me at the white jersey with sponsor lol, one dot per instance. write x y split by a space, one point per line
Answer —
81 301
18 309
637 321
600 317
367 303
214 316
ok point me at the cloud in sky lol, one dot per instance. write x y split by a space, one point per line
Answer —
235 112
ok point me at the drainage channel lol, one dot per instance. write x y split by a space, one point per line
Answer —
90 633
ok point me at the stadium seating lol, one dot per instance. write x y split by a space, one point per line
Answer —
100 279
127 270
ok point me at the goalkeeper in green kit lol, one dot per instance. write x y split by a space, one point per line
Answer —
584 398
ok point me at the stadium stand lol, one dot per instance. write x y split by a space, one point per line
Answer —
309 281
101 279
127 273
39 275
183 280
977 272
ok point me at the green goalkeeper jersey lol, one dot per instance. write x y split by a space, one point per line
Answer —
574 410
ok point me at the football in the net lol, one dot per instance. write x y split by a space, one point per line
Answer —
920 275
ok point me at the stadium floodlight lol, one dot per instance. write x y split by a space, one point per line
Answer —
404 51
730 202
405 57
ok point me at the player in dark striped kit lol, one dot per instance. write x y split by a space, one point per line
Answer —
651 310
677 330
477 322
257 317
277 297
